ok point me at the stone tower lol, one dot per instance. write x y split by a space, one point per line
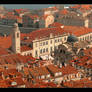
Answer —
86 23
16 39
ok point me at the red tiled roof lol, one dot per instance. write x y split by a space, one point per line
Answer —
77 31
3 51
56 24
21 10
11 16
4 84
32 16
44 32
15 58
64 11
85 7
38 71
5 42
68 70
50 8
85 82
19 81
25 48
76 6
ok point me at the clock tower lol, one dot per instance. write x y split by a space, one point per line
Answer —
16 39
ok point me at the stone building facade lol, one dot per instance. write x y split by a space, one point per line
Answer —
74 21
46 20
44 42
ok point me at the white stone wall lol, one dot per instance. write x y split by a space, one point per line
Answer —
25 53
16 40
52 42
49 20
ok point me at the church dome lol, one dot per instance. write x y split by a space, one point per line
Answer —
72 38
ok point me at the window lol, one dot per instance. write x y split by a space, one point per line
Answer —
41 51
55 47
64 38
50 48
40 44
90 36
43 43
55 41
46 42
80 39
46 49
83 39
58 40
17 35
36 53
87 37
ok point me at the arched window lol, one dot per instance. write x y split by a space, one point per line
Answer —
51 49
46 42
43 43
41 51
46 49
17 35
36 53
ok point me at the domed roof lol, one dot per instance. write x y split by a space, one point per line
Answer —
72 38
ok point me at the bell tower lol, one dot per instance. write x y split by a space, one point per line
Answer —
16 39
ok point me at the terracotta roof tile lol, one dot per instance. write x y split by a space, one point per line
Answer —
25 48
